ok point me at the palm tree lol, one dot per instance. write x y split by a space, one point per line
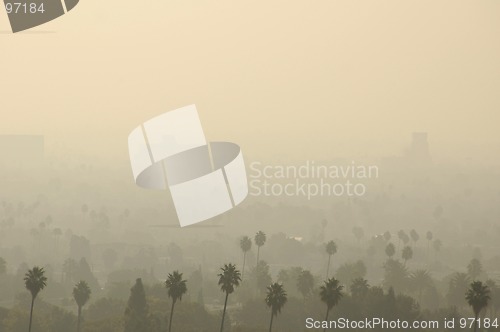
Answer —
245 245
275 299
457 288
176 288
414 236
331 293
331 249
260 240
228 280
35 281
81 294
390 250
407 254
420 280
477 296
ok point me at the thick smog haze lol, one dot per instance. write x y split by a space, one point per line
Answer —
285 76
358 178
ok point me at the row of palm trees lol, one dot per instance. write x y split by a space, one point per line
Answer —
260 239
230 278
246 244
331 292
35 281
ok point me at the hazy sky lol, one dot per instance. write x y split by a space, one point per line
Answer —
302 79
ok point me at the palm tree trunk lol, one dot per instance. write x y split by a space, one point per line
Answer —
79 318
328 267
475 323
171 316
224 313
271 324
258 254
244 260
31 311
326 318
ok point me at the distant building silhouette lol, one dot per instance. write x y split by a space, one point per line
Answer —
416 156
418 152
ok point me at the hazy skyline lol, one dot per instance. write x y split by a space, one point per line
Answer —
296 79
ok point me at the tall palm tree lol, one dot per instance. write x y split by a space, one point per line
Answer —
407 254
245 245
35 281
477 296
229 279
390 250
429 237
176 287
260 240
414 236
81 294
331 293
331 249
420 280
275 299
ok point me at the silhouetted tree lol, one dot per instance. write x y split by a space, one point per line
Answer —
81 294
350 271
414 236
260 240
390 250
275 299
228 280
305 283
69 269
420 280
359 288
176 287
396 275
137 311
331 249
407 254
245 245
477 296
260 274
495 296
387 236
457 288
331 293
475 268
429 237
35 281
